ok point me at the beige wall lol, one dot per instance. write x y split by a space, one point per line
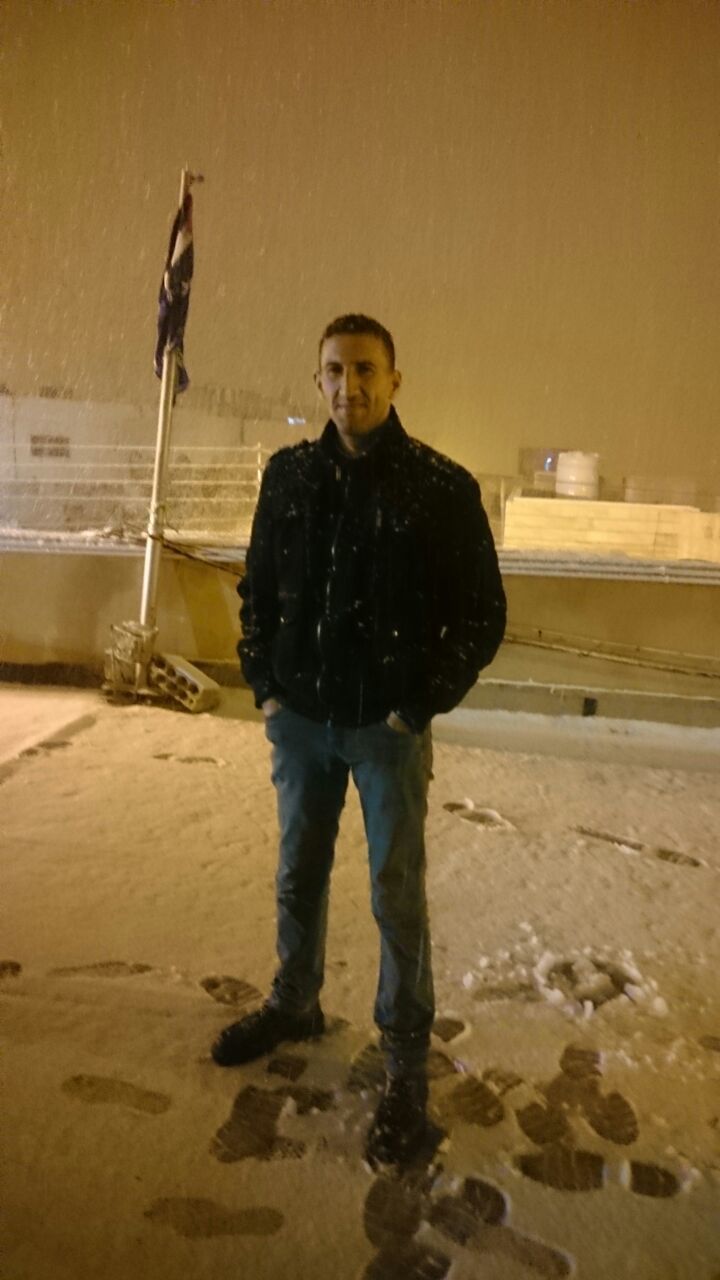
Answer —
212 477
627 618
58 607
525 191
113 423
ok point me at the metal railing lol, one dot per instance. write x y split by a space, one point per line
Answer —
105 489
212 490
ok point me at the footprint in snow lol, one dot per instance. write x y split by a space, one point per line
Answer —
367 1070
107 1090
473 1102
448 1028
631 846
52 744
567 1169
548 1122
411 1262
198 1219
232 991
167 755
250 1132
103 969
564 1168
397 1203
477 1218
576 1090
289 1066
481 817
474 1219
393 1211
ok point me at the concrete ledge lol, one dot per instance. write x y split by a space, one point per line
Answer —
529 696
573 700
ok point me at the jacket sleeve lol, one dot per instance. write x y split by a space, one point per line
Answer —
469 606
258 592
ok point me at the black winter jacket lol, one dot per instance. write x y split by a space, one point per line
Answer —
372 583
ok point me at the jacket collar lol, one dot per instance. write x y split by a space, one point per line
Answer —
389 434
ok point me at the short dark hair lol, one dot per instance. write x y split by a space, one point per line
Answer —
355 323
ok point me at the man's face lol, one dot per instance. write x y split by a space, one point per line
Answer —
357 384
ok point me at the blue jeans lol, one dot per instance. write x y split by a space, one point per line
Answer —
310 767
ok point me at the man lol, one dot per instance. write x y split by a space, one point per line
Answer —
372 598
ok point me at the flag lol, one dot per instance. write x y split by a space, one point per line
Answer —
174 298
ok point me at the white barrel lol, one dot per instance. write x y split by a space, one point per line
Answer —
577 475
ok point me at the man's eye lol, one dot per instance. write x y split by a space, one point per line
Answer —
366 368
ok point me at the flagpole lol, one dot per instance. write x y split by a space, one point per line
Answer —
132 667
156 513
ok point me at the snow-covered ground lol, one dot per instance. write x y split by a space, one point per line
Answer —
574 874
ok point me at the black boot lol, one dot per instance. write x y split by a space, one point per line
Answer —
263 1031
400 1125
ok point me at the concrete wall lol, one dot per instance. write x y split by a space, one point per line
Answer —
114 423
58 607
658 620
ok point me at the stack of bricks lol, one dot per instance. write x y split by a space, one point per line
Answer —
646 530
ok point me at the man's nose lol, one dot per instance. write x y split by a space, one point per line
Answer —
349 381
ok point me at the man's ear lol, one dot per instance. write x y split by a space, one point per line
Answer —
316 380
397 380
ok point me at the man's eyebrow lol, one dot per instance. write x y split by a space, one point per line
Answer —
338 364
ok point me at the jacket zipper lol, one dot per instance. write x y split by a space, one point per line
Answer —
329 582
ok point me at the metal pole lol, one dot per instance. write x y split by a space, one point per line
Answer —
130 665
186 181
156 516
